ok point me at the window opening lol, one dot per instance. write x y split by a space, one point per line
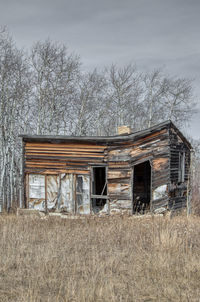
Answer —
99 188
142 188
181 174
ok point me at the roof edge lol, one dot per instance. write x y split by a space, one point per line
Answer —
106 139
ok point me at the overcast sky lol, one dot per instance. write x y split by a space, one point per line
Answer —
148 33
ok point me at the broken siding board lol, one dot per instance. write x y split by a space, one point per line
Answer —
177 203
115 174
120 206
161 203
115 188
118 165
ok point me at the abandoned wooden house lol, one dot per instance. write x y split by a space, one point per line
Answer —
128 173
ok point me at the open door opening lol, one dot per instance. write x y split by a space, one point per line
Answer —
142 188
99 188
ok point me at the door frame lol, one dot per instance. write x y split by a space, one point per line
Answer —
149 159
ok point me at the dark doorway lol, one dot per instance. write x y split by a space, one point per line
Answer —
99 188
142 188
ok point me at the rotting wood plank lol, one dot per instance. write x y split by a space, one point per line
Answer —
63 157
64 145
61 150
58 171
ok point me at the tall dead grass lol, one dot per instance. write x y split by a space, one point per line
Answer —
105 259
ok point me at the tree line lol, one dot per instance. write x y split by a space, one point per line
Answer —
46 91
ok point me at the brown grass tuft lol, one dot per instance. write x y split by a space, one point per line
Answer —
105 259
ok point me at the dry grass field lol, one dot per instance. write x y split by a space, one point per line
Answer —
102 259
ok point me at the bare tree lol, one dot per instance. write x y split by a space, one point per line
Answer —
14 93
54 73
166 98
89 103
122 96
179 105
153 90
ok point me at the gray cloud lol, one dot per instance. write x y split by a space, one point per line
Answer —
150 33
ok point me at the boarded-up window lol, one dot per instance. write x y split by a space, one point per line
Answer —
82 194
36 186
67 193
52 191
37 191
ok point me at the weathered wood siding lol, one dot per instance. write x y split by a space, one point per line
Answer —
119 186
62 157
122 158
62 162
178 189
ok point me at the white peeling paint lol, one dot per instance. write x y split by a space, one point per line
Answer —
84 206
52 191
67 196
36 186
160 192
37 192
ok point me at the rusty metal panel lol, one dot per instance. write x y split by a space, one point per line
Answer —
83 194
37 192
67 193
52 191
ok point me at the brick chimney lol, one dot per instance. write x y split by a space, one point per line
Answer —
122 130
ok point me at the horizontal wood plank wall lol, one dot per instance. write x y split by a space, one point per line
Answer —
121 158
51 158
119 187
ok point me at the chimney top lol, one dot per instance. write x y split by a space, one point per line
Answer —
122 130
